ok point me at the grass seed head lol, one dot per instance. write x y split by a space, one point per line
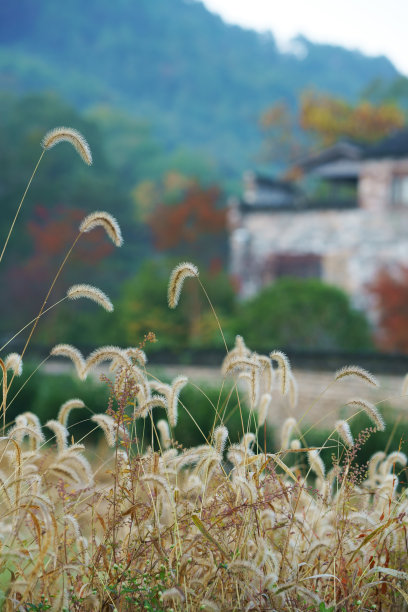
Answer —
61 434
173 398
164 431
284 369
66 408
91 293
14 362
105 220
107 424
343 429
295 444
64 134
358 372
220 438
106 353
174 595
74 354
287 429
316 463
370 410
177 278
263 408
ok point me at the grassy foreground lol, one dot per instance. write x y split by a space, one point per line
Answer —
149 524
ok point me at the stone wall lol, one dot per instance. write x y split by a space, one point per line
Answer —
375 183
352 244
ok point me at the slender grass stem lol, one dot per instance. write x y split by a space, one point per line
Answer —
45 302
214 313
30 322
4 400
20 205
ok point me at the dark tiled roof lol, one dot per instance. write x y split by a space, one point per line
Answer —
395 145
343 149
266 181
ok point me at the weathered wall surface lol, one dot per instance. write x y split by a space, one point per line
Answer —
352 244
375 183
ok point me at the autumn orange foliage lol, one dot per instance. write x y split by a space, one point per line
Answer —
332 118
52 232
327 119
196 214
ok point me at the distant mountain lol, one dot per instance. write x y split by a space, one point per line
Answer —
199 81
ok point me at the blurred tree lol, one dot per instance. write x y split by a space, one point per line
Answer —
321 120
380 91
52 233
390 292
283 140
63 191
296 313
143 308
330 119
167 190
186 227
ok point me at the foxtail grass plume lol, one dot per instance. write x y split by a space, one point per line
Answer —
173 398
370 410
209 606
165 439
156 401
316 463
220 437
177 278
173 595
239 350
61 434
343 429
65 472
107 424
263 408
105 220
374 462
22 428
267 372
239 565
287 429
91 293
15 363
241 363
284 368
71 522
358 372
391 460
74 354
64 134
106 353
32 419
66 408
247 441
252 379
137 354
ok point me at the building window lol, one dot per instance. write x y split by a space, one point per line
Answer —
400 191
307 265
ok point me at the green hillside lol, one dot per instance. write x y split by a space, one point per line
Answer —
198 81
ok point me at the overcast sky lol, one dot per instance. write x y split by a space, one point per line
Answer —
375 27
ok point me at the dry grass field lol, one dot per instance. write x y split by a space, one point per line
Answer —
145 523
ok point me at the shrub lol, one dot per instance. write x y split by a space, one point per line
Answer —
143 307
296 313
